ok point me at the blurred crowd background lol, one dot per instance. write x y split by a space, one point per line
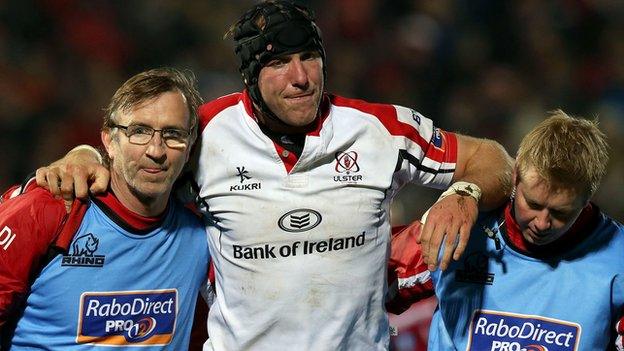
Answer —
488 68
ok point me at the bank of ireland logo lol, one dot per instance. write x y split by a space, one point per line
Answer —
299 220
119 318
498 331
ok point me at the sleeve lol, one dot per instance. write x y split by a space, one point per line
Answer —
427 154
617 297
199 332
409 280
619 328
28 224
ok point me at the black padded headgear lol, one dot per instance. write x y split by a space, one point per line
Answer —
269 30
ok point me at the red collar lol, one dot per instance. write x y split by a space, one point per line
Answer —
577 233
127 219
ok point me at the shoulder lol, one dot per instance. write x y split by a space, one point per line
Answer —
491 217
397 120
35 200
187 213
606 224
189 228
383 112
34 216
212 108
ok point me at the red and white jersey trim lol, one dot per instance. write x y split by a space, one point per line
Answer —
417 279
300 245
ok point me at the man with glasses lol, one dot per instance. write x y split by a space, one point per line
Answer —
124 268
141 135
297 184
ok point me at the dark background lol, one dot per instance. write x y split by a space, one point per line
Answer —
485 68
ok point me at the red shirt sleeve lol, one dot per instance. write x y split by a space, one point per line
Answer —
619 328
409 280
28 224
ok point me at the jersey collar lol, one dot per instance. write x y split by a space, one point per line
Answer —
122 216
579 231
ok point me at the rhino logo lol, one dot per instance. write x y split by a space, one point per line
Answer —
83 252
85 245
475 270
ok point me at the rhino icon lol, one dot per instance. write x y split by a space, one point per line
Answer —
85 245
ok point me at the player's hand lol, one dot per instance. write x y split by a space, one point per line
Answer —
448 221
75 175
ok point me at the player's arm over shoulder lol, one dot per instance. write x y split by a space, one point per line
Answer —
28 224
485 163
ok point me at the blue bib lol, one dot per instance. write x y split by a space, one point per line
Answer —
499 299
133 291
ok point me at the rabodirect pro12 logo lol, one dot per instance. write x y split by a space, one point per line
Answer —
498 331
127 317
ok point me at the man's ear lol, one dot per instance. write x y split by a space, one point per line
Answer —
107 140
515 177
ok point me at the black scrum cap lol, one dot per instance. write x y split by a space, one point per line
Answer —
271 29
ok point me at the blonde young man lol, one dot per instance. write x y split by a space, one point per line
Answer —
298 183
546 271
122 270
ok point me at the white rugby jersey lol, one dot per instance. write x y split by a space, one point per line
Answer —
300 245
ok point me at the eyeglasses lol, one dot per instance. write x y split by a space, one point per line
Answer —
141 135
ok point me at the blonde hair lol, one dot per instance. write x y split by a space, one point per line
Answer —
566 152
